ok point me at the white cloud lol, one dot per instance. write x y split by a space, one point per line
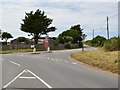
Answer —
64 15
60 1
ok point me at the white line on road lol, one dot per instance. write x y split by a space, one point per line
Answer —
52 59
14 79
56 60
40 79
27 77
60 59
74 63
15 63
25 71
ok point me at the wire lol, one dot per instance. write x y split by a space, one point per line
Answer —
100 25
113 16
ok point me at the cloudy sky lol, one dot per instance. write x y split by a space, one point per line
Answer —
91 15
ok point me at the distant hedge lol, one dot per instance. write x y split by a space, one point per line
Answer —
97 41
113 44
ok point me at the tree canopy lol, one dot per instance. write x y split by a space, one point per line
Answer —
75 32
67 39
22 39
98 41
37 23
6 36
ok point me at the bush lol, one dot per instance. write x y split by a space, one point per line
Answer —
111 45
80 44
88 42
98 41
67 45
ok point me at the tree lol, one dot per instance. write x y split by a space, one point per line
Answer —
6 36
75 32
37 24
23 39
98 41
67 39
76 27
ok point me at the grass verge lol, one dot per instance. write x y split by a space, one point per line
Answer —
15 51
107 61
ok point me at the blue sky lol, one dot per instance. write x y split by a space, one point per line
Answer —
90 15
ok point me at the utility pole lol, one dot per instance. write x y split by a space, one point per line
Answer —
93 33
107 28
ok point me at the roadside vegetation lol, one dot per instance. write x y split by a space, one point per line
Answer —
105 57
99 58
74 35
108 45
15 51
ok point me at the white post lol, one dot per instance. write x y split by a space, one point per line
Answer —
48 49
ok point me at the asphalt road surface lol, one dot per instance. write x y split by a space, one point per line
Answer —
52 70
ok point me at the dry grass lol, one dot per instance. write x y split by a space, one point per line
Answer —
15 51
104 60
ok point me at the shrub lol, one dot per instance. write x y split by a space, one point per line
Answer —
88 42
80 44
111 45
98 41
107 46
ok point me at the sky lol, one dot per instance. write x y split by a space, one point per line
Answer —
90 14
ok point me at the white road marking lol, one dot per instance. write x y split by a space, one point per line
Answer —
52 59
14 79
15 63
74 63
25 71
60 59
27 77
57 60
40 79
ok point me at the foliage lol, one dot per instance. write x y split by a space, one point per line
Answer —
83 36
6 36
112 44
67 39
80 44
88 42
77 27
36 24
98 41
22 39
75 32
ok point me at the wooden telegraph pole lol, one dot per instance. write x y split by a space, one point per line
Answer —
93 33
107 28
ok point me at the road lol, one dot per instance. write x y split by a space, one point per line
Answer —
52 70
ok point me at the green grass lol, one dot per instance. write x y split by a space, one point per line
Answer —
107 61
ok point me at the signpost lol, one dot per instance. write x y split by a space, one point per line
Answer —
46 43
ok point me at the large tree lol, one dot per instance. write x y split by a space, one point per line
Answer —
37 23
6 36
75 32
